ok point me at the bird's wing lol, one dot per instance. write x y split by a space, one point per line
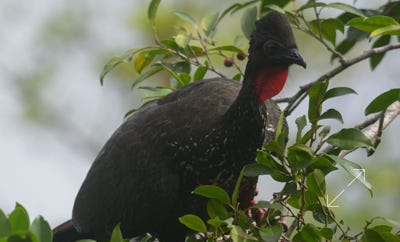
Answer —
132 180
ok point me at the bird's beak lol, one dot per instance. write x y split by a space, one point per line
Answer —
293 56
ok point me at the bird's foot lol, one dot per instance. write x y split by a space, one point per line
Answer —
257 214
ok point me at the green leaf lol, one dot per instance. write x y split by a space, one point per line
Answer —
170 43
5 229
392 222
323 164
301 123
327 28
22 237
143 59
196 51
209 24
320 213
347 8
182 40
216 222
200 72
248 21
388 30
152 10
152 71
235 7
278 3
275 8
331 114
389 237
185 77
178 66
327 233
116 235
188 18
383 101
271 234
371 236
316 183
193 222
376 59
239 40
227 48
211 191
338 91
325 131
256 169
308 233
171 72
238 235
382 228
353 169
289 188
242 220
19 219
348 139
267 204
237 77
345 46
316 97
41 228
115 61
372 23
311 4
216 209
279 172
235 193
280 132
299 157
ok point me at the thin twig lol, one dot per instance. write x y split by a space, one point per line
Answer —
204 45
292 227
318 37
378 137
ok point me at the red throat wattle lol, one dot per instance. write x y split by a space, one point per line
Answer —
270 81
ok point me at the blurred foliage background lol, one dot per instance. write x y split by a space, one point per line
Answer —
55 116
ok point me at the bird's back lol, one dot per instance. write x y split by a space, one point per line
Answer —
137 179
134 180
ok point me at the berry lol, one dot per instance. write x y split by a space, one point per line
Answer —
228 62
241 56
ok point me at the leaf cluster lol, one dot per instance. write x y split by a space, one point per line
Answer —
16 227
301 211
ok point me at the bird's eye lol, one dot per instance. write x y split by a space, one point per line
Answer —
270 49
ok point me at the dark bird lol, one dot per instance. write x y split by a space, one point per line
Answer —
202 134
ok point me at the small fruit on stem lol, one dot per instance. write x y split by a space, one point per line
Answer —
228 62
241 56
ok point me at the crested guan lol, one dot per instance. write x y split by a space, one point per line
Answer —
201 134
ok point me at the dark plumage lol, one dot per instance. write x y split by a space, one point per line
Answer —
201 134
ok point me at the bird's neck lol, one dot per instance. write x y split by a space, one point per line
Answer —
266 80
245 119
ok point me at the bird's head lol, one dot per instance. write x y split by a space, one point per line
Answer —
272 50
273 42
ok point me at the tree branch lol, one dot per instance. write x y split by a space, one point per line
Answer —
297 98
374 129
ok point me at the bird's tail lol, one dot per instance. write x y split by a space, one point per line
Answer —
66 232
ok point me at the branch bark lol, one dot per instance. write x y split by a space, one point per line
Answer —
297 98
